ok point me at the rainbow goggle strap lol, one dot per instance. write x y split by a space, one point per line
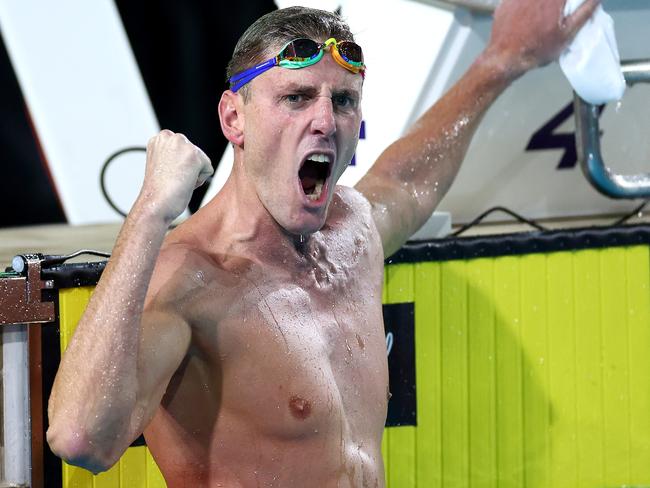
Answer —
301 53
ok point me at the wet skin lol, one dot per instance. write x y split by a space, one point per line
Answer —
286 369
247 357
286 373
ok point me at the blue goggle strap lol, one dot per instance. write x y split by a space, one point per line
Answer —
244 77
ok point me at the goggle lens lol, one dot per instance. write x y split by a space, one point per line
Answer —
304 49
300 50
301 53
350 51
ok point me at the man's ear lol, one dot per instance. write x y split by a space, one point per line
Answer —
231 116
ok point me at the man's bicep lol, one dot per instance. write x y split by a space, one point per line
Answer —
164 342
394 210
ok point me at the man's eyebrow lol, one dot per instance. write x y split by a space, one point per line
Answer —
347 92
299 88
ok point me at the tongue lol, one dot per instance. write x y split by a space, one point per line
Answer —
308 177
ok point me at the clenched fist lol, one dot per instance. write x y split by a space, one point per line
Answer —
175 167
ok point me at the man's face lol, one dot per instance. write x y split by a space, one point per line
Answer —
301 130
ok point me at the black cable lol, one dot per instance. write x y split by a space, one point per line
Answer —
456 233
103 174
52 260
478 220
627 217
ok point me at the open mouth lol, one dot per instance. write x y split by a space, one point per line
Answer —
313 174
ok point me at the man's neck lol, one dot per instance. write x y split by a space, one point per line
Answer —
235 222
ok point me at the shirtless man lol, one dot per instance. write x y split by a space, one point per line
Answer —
248 343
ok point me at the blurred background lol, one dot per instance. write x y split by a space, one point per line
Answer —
84 85
181 49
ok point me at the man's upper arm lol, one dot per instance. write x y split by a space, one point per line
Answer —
163 345
395 209
164 341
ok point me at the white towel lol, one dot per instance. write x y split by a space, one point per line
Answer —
591 63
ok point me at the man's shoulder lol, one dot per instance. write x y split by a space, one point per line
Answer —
351 212
349 201
182 268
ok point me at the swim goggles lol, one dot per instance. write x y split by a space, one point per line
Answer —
301 53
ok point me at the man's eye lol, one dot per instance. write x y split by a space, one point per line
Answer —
344 101
294 98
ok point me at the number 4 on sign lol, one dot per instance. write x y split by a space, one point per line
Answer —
546 137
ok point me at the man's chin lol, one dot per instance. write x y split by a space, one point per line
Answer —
305 226
304 230
303 220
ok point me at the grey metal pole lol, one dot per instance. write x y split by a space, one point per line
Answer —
15 401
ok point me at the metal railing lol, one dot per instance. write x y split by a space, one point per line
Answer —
591 160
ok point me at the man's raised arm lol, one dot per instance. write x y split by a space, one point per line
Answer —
120 360
410 178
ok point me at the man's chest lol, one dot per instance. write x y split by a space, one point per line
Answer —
306 346
307 361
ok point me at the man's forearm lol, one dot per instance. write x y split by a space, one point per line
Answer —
102 396
94 394
413 174
428 157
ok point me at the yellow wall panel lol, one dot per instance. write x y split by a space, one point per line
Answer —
616 387
72 303
532 372
401 440
154 476
562 372
76 478
108 479
428 433
482 375
136 468
509 419
131 467
534 345
638 317
589 407
455 395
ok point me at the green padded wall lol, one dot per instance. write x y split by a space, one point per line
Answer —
532 371
136 468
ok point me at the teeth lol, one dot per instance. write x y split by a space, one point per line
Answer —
320 158
317 190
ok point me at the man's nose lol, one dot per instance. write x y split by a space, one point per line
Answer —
323 121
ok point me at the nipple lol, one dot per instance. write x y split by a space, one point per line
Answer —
300 408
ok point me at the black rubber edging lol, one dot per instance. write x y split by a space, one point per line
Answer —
74 274
462 248
447 249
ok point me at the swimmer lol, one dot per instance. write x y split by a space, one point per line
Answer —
248 344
